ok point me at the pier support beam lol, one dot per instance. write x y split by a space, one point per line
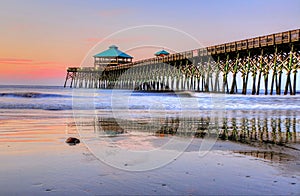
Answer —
70 76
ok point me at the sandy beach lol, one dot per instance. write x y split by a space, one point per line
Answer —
37 161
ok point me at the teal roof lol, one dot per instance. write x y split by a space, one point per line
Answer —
162 52
112 52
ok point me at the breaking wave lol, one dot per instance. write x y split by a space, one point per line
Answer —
32 95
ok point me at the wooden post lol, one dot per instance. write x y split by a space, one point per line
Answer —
216 88
258 83
233 85
72 78
211 82
266 76
274 76
67 76
260 71
225 75
294 86
207 76
245 82
204 83
254 83
288 81
235 70
279 82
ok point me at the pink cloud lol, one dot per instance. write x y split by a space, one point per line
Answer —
17 61
46 63
30 74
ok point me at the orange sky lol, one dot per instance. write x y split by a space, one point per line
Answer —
40 39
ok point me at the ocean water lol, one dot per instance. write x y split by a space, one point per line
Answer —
119 106
60 99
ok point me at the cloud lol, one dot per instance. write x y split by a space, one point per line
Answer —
15 61
29 74
20 61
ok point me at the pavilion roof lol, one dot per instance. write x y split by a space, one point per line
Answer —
162 52
113 51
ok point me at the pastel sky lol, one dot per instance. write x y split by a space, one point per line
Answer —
40 39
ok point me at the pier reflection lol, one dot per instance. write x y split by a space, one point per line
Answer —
266 130
268 155
270 130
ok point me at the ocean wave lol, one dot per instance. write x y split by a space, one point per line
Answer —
69 106
33 95
66 99
36 106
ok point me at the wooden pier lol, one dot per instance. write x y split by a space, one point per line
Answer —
262 60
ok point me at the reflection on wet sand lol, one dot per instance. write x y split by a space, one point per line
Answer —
159 126
109 125
267 134
245 130
266 130
268 155
14 131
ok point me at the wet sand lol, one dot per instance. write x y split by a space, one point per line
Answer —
35 160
